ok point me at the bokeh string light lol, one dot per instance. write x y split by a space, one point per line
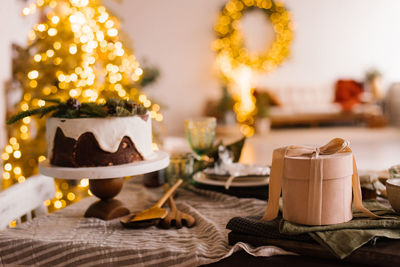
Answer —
73 51
239 66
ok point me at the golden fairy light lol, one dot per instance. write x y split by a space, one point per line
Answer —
239 66
73 51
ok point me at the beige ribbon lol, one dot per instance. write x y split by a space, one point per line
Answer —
336 145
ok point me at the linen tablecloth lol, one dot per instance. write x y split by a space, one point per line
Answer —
67 238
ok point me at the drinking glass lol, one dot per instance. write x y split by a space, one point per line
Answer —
200 133
181 166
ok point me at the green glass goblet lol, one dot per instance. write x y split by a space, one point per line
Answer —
200 133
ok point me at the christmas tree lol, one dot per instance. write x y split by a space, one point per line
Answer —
73 51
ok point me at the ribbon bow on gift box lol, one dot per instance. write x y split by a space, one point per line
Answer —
336 145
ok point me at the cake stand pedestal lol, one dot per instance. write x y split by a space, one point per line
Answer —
106 182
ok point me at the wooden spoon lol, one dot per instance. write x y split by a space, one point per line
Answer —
175 216
152 215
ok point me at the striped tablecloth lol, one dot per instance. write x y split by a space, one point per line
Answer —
67 238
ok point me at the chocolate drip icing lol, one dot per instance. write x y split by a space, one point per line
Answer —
86 152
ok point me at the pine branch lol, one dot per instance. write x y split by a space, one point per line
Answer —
93 110
43 111
53 100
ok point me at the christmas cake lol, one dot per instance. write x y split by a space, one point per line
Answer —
90 134
87 142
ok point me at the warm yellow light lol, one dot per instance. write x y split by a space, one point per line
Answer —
17 154
6 175
41 103
53 4
142 98
52 32
57 204
41 158
37 57
103 17
47 203
8 167
154 146
73 93
33 74
33 83
90 192
13 224
57 45
73 49
57 61
27 96
27 120
59 194
23 129
55 19
41 27
159 117
109 23
5 156
147 103
24 107
17 170
122 93
84 183
31 35
21 179
70 196
50 52
78 70
24 136
138 71
9 149
156 107
25 11
120 52
61 77
112 32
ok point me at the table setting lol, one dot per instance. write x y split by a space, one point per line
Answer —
215 208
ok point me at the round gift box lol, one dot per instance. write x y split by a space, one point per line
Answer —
312 201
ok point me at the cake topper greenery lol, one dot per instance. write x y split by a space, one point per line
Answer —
72 108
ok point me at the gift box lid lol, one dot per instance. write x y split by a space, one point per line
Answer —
334 166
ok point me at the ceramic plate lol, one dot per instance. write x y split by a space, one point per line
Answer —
201 178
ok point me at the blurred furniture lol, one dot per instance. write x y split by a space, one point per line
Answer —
315 106
22 202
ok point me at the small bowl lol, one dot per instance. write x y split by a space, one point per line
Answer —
393 192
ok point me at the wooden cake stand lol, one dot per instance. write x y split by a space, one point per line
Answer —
106 182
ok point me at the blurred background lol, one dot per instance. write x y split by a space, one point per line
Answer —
332 40
255 65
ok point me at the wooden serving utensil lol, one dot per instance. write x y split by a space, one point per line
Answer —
176 217
152 215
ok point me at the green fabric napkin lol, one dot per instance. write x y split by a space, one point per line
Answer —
342 239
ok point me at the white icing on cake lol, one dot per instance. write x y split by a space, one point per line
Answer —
108 132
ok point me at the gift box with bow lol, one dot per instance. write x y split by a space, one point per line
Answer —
317 184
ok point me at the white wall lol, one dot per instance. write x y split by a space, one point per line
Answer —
333 38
